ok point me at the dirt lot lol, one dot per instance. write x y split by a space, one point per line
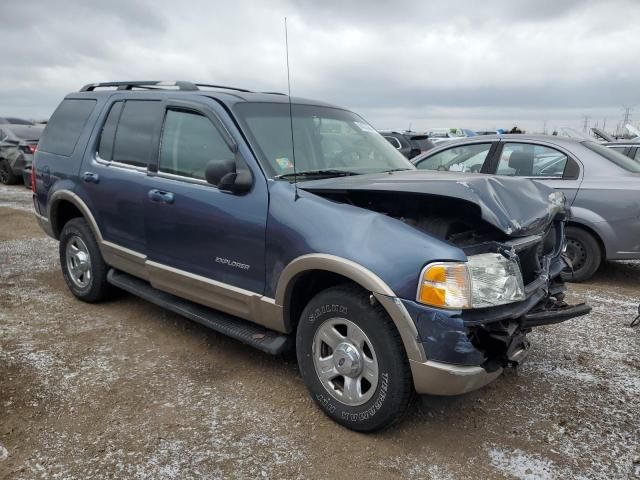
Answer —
127 390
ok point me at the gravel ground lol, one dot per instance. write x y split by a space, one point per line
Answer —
127 390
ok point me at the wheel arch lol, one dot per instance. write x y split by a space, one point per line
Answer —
65 205
593 233
309 274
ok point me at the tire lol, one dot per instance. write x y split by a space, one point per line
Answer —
78 247
6 173
585 254
26 177
332 324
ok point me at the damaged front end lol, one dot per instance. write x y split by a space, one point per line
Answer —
512 233
499 333
495 336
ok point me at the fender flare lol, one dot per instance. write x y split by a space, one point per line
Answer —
71 197
363 277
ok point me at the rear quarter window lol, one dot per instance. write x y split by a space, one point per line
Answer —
614 157
66 125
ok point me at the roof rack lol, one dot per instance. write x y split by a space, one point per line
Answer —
156 84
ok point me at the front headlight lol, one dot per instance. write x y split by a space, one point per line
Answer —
486 280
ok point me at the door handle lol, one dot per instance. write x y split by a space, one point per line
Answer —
156 195
90 177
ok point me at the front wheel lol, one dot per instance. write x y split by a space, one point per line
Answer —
583 251
352 359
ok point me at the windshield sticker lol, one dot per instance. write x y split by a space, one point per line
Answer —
365 127
284 163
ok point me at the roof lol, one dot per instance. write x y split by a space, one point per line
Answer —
554 139
229 95
622 143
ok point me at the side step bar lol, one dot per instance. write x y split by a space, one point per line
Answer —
259 337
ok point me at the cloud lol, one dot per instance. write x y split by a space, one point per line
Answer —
469 63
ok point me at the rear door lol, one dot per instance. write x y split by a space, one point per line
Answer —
115 178
545 163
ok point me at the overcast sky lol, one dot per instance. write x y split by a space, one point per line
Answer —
476 64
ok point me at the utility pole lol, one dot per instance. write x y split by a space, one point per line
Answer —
586 122
544 127
604 125
627 114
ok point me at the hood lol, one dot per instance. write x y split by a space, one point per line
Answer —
516 206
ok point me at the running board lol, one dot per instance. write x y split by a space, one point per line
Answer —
258 337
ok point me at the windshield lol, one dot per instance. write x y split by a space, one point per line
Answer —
616 157
326 140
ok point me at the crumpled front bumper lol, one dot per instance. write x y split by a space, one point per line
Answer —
467 349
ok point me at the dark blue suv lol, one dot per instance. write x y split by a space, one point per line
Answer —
291 223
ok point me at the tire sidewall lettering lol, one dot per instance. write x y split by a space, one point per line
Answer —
325 309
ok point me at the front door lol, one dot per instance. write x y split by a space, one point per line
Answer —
203 243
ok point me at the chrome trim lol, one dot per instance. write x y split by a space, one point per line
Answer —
114 163
181 178
437 378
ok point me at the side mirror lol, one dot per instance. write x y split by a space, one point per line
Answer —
223 174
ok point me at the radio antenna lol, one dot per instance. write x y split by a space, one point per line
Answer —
293 145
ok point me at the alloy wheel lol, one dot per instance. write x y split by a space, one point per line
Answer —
345 361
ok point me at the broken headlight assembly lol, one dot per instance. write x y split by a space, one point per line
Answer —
485 280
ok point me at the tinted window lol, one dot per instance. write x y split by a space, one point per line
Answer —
528 160
134 135
3 135
189 142
619 159
108 135
637 155
65 126
423 143
464 158
394 141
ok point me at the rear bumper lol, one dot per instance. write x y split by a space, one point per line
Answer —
436 378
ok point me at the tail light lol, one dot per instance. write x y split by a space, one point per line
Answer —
29 148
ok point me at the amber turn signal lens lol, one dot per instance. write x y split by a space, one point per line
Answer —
445 285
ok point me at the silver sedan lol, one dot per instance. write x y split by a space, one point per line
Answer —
601 185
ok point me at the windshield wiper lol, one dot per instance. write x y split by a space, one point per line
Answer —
331 172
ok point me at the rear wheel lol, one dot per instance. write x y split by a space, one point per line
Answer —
6 174
82 264
352 359
583 251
